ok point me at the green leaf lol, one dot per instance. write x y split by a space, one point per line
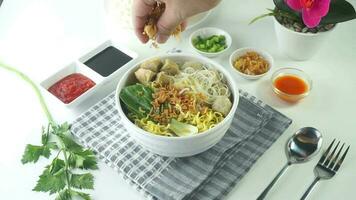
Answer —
84 160
90 161
137 98
61 129
75 161
82 195
56 166
51 183
65 126
64 195
340 11
45 135
52 145
70 144
82 181
260 17
32 153
281 5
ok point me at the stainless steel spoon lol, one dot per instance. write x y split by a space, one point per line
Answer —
302 146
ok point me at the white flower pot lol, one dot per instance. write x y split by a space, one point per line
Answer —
296 45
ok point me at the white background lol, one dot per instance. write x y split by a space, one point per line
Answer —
41 36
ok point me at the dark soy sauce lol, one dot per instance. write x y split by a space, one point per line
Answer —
108 61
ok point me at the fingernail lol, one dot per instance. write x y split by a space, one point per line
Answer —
162 38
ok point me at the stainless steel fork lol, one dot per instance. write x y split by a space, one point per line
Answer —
327 166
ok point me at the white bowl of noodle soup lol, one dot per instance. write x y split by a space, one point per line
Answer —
178 146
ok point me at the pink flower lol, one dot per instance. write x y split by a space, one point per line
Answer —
312 10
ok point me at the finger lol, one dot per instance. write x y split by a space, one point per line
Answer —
139 30
167 24
184 25
141 8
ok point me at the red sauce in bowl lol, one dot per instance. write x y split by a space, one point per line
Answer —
290 88
291 85
71 87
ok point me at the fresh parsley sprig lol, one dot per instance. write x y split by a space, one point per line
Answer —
61 176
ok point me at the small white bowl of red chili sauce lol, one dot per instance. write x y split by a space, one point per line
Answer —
72 84
77 81
291 84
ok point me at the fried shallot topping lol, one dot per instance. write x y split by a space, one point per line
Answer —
150 28
170 102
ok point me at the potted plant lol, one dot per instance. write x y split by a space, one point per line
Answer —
303 25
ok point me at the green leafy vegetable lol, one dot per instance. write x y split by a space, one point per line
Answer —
137 98
82 181
83 160
65 195
33 153
84 196
69 144
54 181
182 129
58 177
70 194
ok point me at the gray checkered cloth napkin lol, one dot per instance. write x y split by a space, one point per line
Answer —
209 175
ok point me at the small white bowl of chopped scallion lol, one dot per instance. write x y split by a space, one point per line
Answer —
210 42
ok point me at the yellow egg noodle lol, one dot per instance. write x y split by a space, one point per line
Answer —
203 122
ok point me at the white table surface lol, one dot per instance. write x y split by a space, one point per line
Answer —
40 37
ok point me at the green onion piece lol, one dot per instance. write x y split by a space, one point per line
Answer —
211 44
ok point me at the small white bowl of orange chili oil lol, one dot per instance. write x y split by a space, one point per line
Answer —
291 84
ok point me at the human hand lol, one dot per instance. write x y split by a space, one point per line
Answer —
175 13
